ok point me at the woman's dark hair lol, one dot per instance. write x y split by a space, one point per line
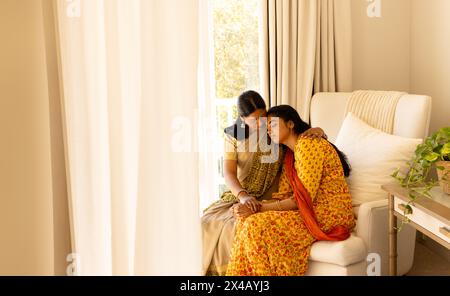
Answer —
287 113
247 103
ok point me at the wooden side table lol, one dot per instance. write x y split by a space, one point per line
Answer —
431 216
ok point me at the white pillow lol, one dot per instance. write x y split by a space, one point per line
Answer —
373 156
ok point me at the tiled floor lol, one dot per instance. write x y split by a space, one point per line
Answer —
430 259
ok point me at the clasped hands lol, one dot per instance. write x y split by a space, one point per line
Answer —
248 205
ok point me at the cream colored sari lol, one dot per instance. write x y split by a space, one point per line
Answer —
218 223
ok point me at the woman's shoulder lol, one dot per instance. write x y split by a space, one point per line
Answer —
229 138
309 143
236 149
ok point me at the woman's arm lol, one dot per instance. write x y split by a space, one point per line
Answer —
230 175
310 156
314 133
287 204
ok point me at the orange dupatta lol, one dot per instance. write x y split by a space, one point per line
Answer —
305 205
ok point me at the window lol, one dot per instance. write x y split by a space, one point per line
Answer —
236 59
235 46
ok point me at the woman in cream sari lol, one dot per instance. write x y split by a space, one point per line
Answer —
251 169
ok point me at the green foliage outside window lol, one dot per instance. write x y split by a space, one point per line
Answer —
236 46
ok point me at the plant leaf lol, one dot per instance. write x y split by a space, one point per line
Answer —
431 157
408 210
445 149
445 130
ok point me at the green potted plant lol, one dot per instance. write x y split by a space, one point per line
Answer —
434 152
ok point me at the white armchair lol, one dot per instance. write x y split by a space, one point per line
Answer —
412 120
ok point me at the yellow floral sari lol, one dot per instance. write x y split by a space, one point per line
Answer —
218 222
279 242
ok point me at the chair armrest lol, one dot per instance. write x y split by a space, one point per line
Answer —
373 227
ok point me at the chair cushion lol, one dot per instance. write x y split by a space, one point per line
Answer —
374 156
343 253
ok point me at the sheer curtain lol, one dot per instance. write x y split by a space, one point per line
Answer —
306 48
129 79
209 147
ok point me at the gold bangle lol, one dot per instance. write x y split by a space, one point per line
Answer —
239 193
279 206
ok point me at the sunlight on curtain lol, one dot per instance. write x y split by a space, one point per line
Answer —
129 77
207 137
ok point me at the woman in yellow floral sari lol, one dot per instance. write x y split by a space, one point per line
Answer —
248 175
313 203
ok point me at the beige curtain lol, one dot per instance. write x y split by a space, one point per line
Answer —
306 49
129 83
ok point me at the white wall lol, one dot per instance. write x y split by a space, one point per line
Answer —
430 56
381 46
33 201
407 49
